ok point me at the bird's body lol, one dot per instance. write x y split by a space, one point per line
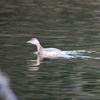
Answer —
50 51
45 51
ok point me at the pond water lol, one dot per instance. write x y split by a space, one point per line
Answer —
72 26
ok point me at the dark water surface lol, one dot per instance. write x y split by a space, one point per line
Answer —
65 24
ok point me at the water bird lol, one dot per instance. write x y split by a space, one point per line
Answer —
53 53
45 51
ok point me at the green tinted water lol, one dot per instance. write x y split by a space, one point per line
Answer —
67 25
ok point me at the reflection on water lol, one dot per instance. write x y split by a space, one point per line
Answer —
76 79
68 55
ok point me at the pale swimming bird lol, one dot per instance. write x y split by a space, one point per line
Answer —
45 51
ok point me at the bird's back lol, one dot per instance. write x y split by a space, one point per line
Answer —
50 51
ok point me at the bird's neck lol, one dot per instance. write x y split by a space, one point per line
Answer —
39 47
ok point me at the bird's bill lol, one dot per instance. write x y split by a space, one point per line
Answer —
28 41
